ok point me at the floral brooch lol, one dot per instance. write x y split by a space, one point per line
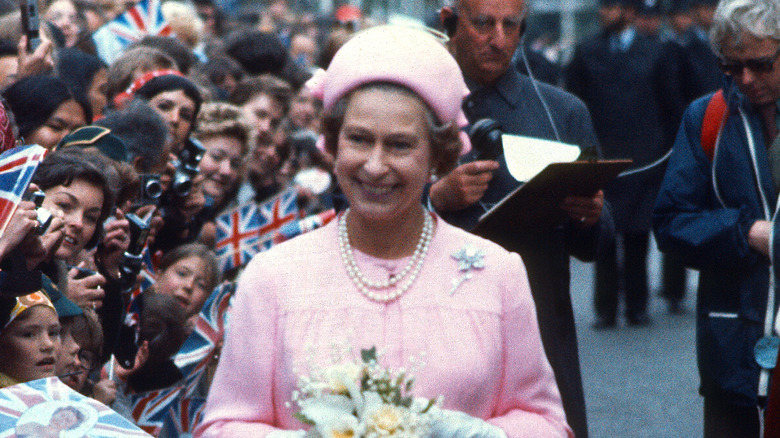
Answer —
469 258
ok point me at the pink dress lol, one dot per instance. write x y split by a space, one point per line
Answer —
480 344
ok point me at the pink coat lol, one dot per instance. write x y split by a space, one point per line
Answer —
480 345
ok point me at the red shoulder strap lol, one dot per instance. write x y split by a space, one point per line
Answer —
714 116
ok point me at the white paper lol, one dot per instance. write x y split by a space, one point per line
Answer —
527 156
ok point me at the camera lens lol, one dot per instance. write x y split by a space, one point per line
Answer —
153 189
182 183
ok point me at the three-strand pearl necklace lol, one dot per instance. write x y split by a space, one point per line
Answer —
396 285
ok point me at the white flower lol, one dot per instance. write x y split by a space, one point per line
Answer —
343 427
382 418
332 415
340 378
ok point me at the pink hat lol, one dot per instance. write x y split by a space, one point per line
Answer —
402 55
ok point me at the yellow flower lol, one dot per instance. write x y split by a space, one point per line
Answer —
386 419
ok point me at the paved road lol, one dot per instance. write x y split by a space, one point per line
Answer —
639 382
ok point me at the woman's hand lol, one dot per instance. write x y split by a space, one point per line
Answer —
38 62
87 291
115 243
23 221
455 424
39 248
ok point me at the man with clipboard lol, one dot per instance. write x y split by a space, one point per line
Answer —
484 35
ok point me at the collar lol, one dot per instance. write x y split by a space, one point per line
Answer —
506 86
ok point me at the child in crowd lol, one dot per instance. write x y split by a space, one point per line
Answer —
188 273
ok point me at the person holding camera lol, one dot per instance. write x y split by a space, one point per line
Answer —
484 36
177 100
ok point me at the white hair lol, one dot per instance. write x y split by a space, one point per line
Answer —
760 18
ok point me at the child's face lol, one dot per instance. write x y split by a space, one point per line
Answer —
30 344
67 361
186 280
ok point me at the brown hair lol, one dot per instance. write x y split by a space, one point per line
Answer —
143 59
199 250
163 324
444 139
278 89
87 331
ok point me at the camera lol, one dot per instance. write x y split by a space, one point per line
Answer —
31 23
44 216
151 188
132 259
187 167
485 136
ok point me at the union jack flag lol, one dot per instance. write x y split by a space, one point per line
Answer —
184 416
27 407
275 214
151 408
199 348
172 406
145 18
17 167
238 233
309 223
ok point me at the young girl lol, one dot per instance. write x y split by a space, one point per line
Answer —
188 273
29 338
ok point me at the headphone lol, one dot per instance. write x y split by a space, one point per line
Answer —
450 23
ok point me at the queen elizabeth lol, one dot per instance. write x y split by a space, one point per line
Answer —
387 272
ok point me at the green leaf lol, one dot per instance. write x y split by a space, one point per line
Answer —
406 402
430 404
368 355
409 384
303 419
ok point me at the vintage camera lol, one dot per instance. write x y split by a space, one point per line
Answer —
132 259
151 188
187 167
44 216
30 23
485 135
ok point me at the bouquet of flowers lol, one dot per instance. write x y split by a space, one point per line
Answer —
361 399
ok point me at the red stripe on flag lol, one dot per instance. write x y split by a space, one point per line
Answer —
12 164
137 19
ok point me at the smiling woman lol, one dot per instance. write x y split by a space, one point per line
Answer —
45 110
77 190
388 273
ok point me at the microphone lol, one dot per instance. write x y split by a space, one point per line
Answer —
485 135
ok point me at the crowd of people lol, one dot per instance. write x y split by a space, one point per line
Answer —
164 151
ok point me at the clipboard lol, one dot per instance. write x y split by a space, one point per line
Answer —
535 205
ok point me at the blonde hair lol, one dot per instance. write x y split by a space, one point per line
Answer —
184 21
223 119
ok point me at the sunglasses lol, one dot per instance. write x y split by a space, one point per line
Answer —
756 65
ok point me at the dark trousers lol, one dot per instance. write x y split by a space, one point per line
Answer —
725 420
674 279
632 276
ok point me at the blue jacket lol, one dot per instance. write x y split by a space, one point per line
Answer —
702 215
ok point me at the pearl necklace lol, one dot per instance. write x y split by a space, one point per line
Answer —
412 268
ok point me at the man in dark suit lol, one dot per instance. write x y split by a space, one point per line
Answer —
632 92
484 34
